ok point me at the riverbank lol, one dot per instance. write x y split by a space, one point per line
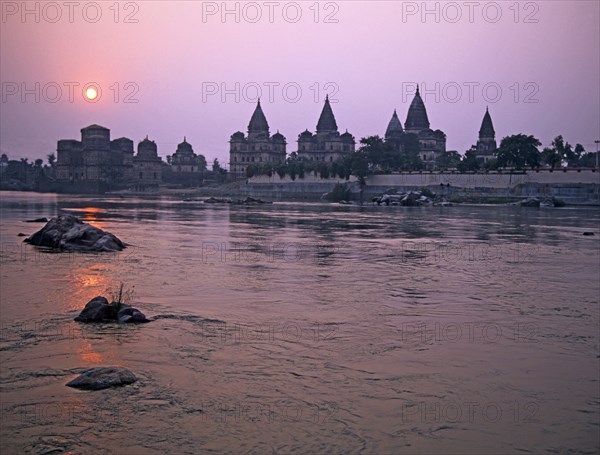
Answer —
574 187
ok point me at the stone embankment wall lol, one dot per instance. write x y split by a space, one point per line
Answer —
574 187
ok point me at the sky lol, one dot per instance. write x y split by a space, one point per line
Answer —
194 69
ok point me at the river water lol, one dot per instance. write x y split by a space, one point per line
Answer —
306 328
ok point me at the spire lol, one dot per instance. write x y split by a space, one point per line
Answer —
327 119
487 127
258 122
184 139
417 114
394 128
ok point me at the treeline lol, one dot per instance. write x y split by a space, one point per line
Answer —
375 155
22 174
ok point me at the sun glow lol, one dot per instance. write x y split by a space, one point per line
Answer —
91 93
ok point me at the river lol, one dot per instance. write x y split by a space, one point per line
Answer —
305 328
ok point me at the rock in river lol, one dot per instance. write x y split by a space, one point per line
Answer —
99 310
531 202
131 315
38 220
67 232
102 378
96 310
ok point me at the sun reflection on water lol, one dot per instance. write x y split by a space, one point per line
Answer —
88 282
91 215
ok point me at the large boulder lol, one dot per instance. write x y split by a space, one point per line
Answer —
67 232
102 378
96 310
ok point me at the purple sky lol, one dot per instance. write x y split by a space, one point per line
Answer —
544 52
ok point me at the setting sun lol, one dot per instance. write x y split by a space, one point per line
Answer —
91 93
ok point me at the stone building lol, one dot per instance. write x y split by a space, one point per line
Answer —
432 143
147 166
185 160
327 144
485 150
394 134
187 167
259 147
95 163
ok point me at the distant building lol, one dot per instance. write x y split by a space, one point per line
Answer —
187 167
432 143
184 160
259 147
147 165
95 163
394 134
3 163
327 144
486 145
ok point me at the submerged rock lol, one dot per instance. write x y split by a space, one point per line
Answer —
410 199
67 232
99 310
217 200
249 200
38 220
129 314
531 202
102 378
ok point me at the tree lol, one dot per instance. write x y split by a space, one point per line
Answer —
51 160
373 151
578 154
360 168
491 164
281 170
410 158
551 157
295 166
200 159
469 161
588 160
218 171
323 169
250 171
448 160
561 152
519 150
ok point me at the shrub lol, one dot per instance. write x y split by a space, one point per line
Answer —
120 297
